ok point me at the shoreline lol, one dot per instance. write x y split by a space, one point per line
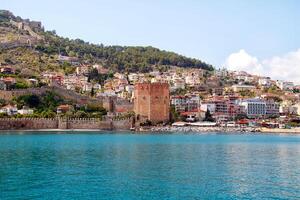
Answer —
167 130
60 130
222 130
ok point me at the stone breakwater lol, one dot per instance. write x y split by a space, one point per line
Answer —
63 123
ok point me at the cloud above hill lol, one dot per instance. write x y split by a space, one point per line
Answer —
284 67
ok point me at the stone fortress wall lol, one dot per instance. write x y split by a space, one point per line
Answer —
61 123
8 95
22 40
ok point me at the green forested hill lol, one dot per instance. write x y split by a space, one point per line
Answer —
116 58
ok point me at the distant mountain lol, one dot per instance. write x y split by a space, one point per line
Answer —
25 43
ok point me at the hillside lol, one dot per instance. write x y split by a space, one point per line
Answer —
26 44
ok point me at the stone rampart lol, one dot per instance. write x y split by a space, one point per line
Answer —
10 94
124 124
63 123
28 123
89 124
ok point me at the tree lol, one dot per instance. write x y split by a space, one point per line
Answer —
80 114
92 92
91 108
21 85
2 102
208 116
48 114
174 115
30 100
93 74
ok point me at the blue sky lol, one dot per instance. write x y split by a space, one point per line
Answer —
210 30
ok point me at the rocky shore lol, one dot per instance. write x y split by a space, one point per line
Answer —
191 129
172 129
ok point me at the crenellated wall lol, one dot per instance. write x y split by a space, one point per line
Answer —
28 123
62 123
89 124
125 124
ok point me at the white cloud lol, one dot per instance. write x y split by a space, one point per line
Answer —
285 67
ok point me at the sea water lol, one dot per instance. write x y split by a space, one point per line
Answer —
148 166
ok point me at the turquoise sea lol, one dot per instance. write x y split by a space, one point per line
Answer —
127 166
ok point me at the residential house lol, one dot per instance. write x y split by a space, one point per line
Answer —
2 85
72 60
221 73
133 77
25 111
178 83
264 81
186 103
7 70
9 109
9 82
64 108
119 76
285 85
240 88
179 102
87 87
83 70
57 80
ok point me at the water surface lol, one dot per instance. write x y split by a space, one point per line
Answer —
127 166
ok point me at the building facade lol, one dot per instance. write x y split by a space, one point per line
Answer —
254 107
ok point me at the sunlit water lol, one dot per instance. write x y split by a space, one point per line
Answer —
127 166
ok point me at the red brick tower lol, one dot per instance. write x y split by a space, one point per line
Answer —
152 101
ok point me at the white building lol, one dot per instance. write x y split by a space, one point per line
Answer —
129 88
192 80
87 87
133 77
107 93
119 75
254 107
9 110
264 81
25 111
178 84
154 73
285 85
288 108
272 108
239 88
221 72
296 107
205 106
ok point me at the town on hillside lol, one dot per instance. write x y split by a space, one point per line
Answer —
43 75
178 97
